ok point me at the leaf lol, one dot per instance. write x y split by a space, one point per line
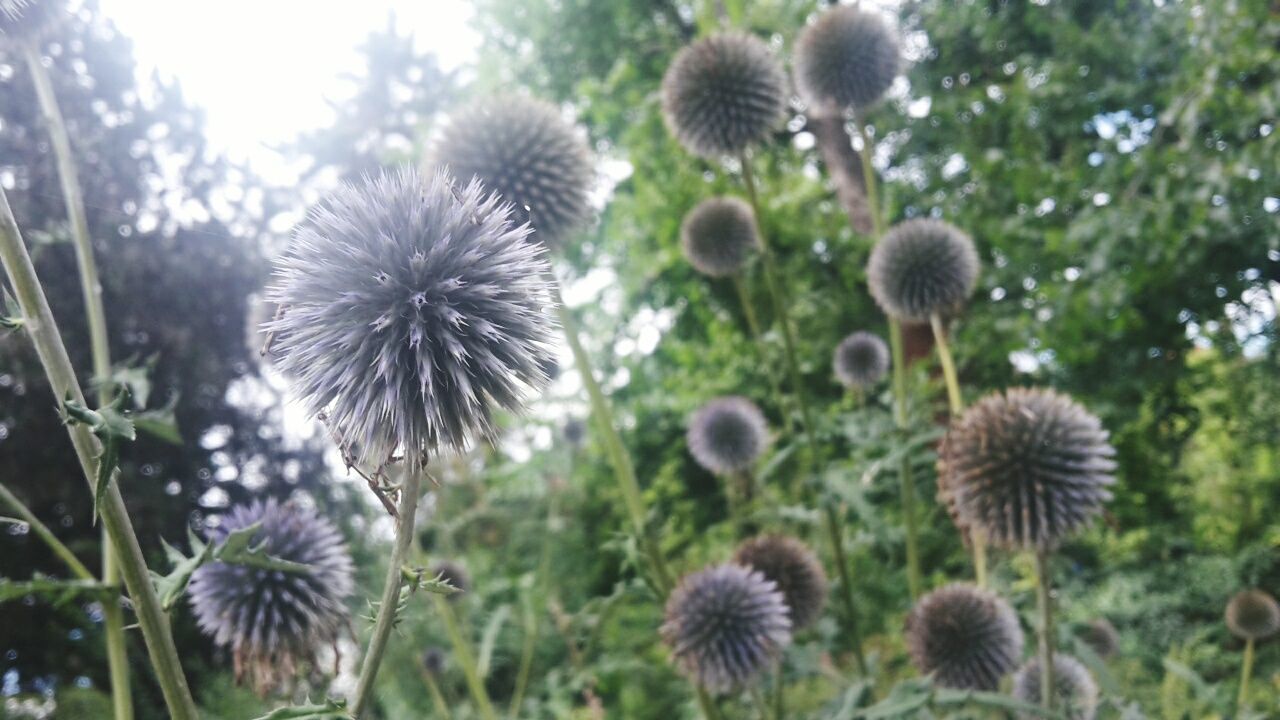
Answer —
110 424
416 579
945 696
490 638
160 423
171 587
12 318
330 710
135 378
237 549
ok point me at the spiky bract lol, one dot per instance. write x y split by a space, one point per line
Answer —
723 93
861 360
1101 637
1253 615
794 568
725 625
728 434
964 636
413 310
454 574
719 235
1075 694
1028 466
524 150
922 267
847 58
26 19
271 619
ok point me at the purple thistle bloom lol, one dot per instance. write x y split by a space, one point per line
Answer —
966 637
728 435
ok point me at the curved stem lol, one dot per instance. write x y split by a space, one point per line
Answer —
623 470
385 622
95 315
753 324
1044 606
907 485
1246 670
40 325
42 531
846 586
462 650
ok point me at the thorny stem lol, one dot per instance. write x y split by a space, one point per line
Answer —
95 315
63 552
386 618
753 324
1044 606
39 322
1246 670
462 650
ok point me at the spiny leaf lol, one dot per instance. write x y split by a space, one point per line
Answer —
110 424
415 579
236 549
171 587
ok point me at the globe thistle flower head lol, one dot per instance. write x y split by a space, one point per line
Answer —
575 432
412 311
728 435
847 58
719 235
433 661
966 637
1253 615
1075 694
861 360
525 151
271 619
793 567
921 267
454 574
723 94
1029 466
1101 637
725 625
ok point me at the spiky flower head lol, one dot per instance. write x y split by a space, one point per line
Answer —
793 567
1028 466
1101 637
922 267
723 93
1253 615
413 309
524 150
454 574
271 619
1075 694
575 432
26 19
433 661
861 360
966 637
725 625
728 434
847 58
719 235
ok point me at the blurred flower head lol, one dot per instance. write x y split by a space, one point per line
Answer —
728 435
1101 637
966 637
922 267
1075 694
718 236
861 360
412 311
794 568
1253 615
847 58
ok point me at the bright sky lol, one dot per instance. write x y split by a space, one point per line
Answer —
263 69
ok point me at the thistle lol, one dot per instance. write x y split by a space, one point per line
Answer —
433 661
921 268
728 435
719 235
966 637
794 568
574 432
454 574
1252 615
848 58
723 94
1074 692
1101 637
271 619
861 360
412 310
523 150
725 625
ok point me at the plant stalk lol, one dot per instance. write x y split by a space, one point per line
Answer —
462 650
846 586
385 622
1044 607
907 488
1246 670
42 531
753 324
40 324
95 315
437 697
536 610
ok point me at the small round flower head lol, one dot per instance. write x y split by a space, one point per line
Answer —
723 93
433 661
1075 694
1028 466
413 309
967 638
525 151
575 432
1101 637
728 434
1253 615
26 19
725 625
718 236
793 567
861 360
847 58
270 619
454 574
922 267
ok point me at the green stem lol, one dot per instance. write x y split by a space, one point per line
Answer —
869 178
846 586
779 694
44 533
437 697
607 425
39 322
1246 670
385 622
904 466
1044 606
536 610
462 651
753 324
762 705
95 315
710 711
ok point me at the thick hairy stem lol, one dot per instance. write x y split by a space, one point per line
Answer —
385 622
753 324
466 659
1044 607
846 587
619 458
91 288
907 484
39 323
1246 670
